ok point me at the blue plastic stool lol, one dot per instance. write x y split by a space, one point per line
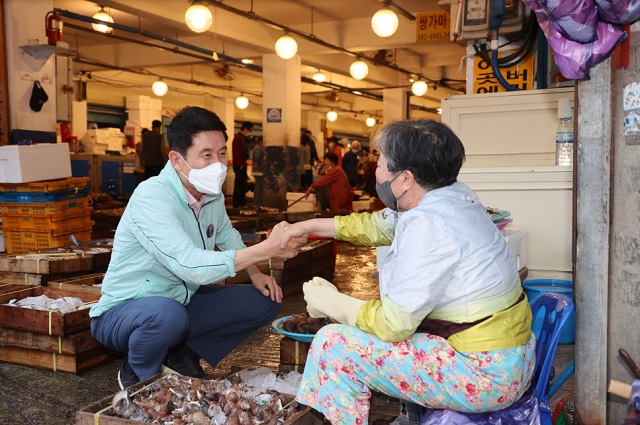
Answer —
550 311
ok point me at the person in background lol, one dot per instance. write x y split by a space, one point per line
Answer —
153 150
367 171
174 239
239 151
304 167
138 168
257 169
350 163
335 148
307 140
451 328
333 190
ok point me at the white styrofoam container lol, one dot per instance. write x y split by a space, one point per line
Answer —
45 161
362 205
303 206
294 196
540 200
517 240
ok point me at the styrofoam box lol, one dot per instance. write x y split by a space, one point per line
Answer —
517 238
362 205
137 102
45 161
303 206
294 196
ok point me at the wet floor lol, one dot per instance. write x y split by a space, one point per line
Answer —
31 396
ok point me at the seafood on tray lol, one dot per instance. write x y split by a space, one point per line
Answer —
179 400
304 324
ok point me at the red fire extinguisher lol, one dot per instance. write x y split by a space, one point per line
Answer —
53 27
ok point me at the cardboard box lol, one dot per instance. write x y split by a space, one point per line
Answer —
21 164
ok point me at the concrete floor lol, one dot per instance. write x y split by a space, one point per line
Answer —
30 396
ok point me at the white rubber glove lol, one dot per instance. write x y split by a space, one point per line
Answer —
324 300
318 281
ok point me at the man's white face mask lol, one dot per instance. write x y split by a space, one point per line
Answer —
207 180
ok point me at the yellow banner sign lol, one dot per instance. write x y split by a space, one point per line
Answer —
433 26
519 75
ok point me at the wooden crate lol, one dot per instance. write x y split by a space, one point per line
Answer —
46 262
86 283
98 249
32 279
10 291
74 363
48 322
293 352
71 344
101 413
316 258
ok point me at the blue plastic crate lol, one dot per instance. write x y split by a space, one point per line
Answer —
59 195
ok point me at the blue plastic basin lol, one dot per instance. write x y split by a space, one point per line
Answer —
536 287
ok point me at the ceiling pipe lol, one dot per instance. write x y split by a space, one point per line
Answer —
312 38
209 54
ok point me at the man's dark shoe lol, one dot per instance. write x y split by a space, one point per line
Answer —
184 361
126 376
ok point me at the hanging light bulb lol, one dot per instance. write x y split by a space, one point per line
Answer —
370 122
102 15
198 17
319 77
384 22
419 88
286 47
159 88
242 102
332 116
359 69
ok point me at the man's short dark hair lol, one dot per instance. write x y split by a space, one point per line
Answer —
331 157
246 126
156 124
189 122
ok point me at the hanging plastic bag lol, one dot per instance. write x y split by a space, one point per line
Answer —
523 412
575 59
619 11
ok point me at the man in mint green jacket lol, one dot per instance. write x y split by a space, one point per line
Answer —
156 303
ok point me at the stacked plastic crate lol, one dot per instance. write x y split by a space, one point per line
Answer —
45 214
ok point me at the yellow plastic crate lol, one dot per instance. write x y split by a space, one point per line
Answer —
67 221
44 208
26 241
47 185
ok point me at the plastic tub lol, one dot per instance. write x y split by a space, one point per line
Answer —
536 287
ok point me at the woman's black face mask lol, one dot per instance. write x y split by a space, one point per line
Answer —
386 195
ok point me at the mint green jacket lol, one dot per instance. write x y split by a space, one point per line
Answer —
162 249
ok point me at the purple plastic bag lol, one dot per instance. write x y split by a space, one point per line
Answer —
575 59
619 11
576 19
523 412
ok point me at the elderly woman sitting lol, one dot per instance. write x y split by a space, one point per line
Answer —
451 328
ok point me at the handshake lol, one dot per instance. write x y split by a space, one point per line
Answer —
280 246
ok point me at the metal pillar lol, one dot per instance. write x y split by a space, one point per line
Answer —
592 183
624 257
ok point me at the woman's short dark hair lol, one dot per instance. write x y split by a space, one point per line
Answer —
189 122
427 148
331 157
